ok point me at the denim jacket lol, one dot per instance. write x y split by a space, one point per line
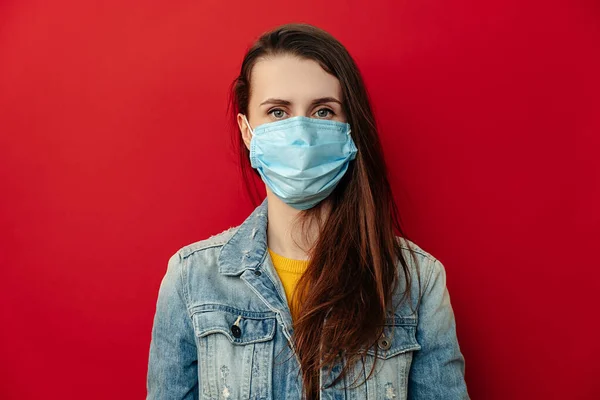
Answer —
223 330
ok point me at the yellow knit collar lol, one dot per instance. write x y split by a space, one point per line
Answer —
282 263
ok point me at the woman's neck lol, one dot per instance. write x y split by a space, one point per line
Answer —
282 232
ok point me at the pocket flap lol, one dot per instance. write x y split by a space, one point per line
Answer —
253 326
401 332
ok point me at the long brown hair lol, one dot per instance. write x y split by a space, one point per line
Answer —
353 268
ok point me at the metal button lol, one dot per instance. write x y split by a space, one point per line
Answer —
235 328
236 331
257 272
384 343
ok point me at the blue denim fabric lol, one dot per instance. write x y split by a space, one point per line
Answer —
229 279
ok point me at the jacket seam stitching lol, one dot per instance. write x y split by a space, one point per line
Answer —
208 246
432 262
184 286
421 252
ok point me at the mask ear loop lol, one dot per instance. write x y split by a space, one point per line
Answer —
248 125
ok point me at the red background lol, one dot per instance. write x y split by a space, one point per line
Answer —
115 151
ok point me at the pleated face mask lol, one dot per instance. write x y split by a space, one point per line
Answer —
301 159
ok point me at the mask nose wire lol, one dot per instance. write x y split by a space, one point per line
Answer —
252 131
248 125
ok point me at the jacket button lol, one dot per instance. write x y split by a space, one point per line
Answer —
384 343
257 272
236 331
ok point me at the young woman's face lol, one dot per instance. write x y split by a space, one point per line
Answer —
287 86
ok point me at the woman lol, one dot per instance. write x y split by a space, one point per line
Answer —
313 295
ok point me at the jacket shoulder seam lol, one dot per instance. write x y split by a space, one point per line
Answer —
421 252
217 240
409 245
184 282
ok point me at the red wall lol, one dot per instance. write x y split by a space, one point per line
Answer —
115 151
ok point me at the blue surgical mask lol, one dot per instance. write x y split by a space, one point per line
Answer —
301 159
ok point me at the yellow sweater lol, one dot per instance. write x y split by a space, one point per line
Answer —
289 271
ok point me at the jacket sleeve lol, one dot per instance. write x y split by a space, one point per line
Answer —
438 369
172 364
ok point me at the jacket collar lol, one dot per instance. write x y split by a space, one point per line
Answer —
247 247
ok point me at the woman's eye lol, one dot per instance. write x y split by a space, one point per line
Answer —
277 113
324 113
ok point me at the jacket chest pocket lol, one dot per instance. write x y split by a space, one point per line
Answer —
395 350
235 352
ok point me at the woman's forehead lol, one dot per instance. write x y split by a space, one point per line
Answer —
291 78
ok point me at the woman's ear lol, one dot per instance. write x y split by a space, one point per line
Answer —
244 129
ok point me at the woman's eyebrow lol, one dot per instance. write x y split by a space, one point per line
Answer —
276 101
312 103
325 100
